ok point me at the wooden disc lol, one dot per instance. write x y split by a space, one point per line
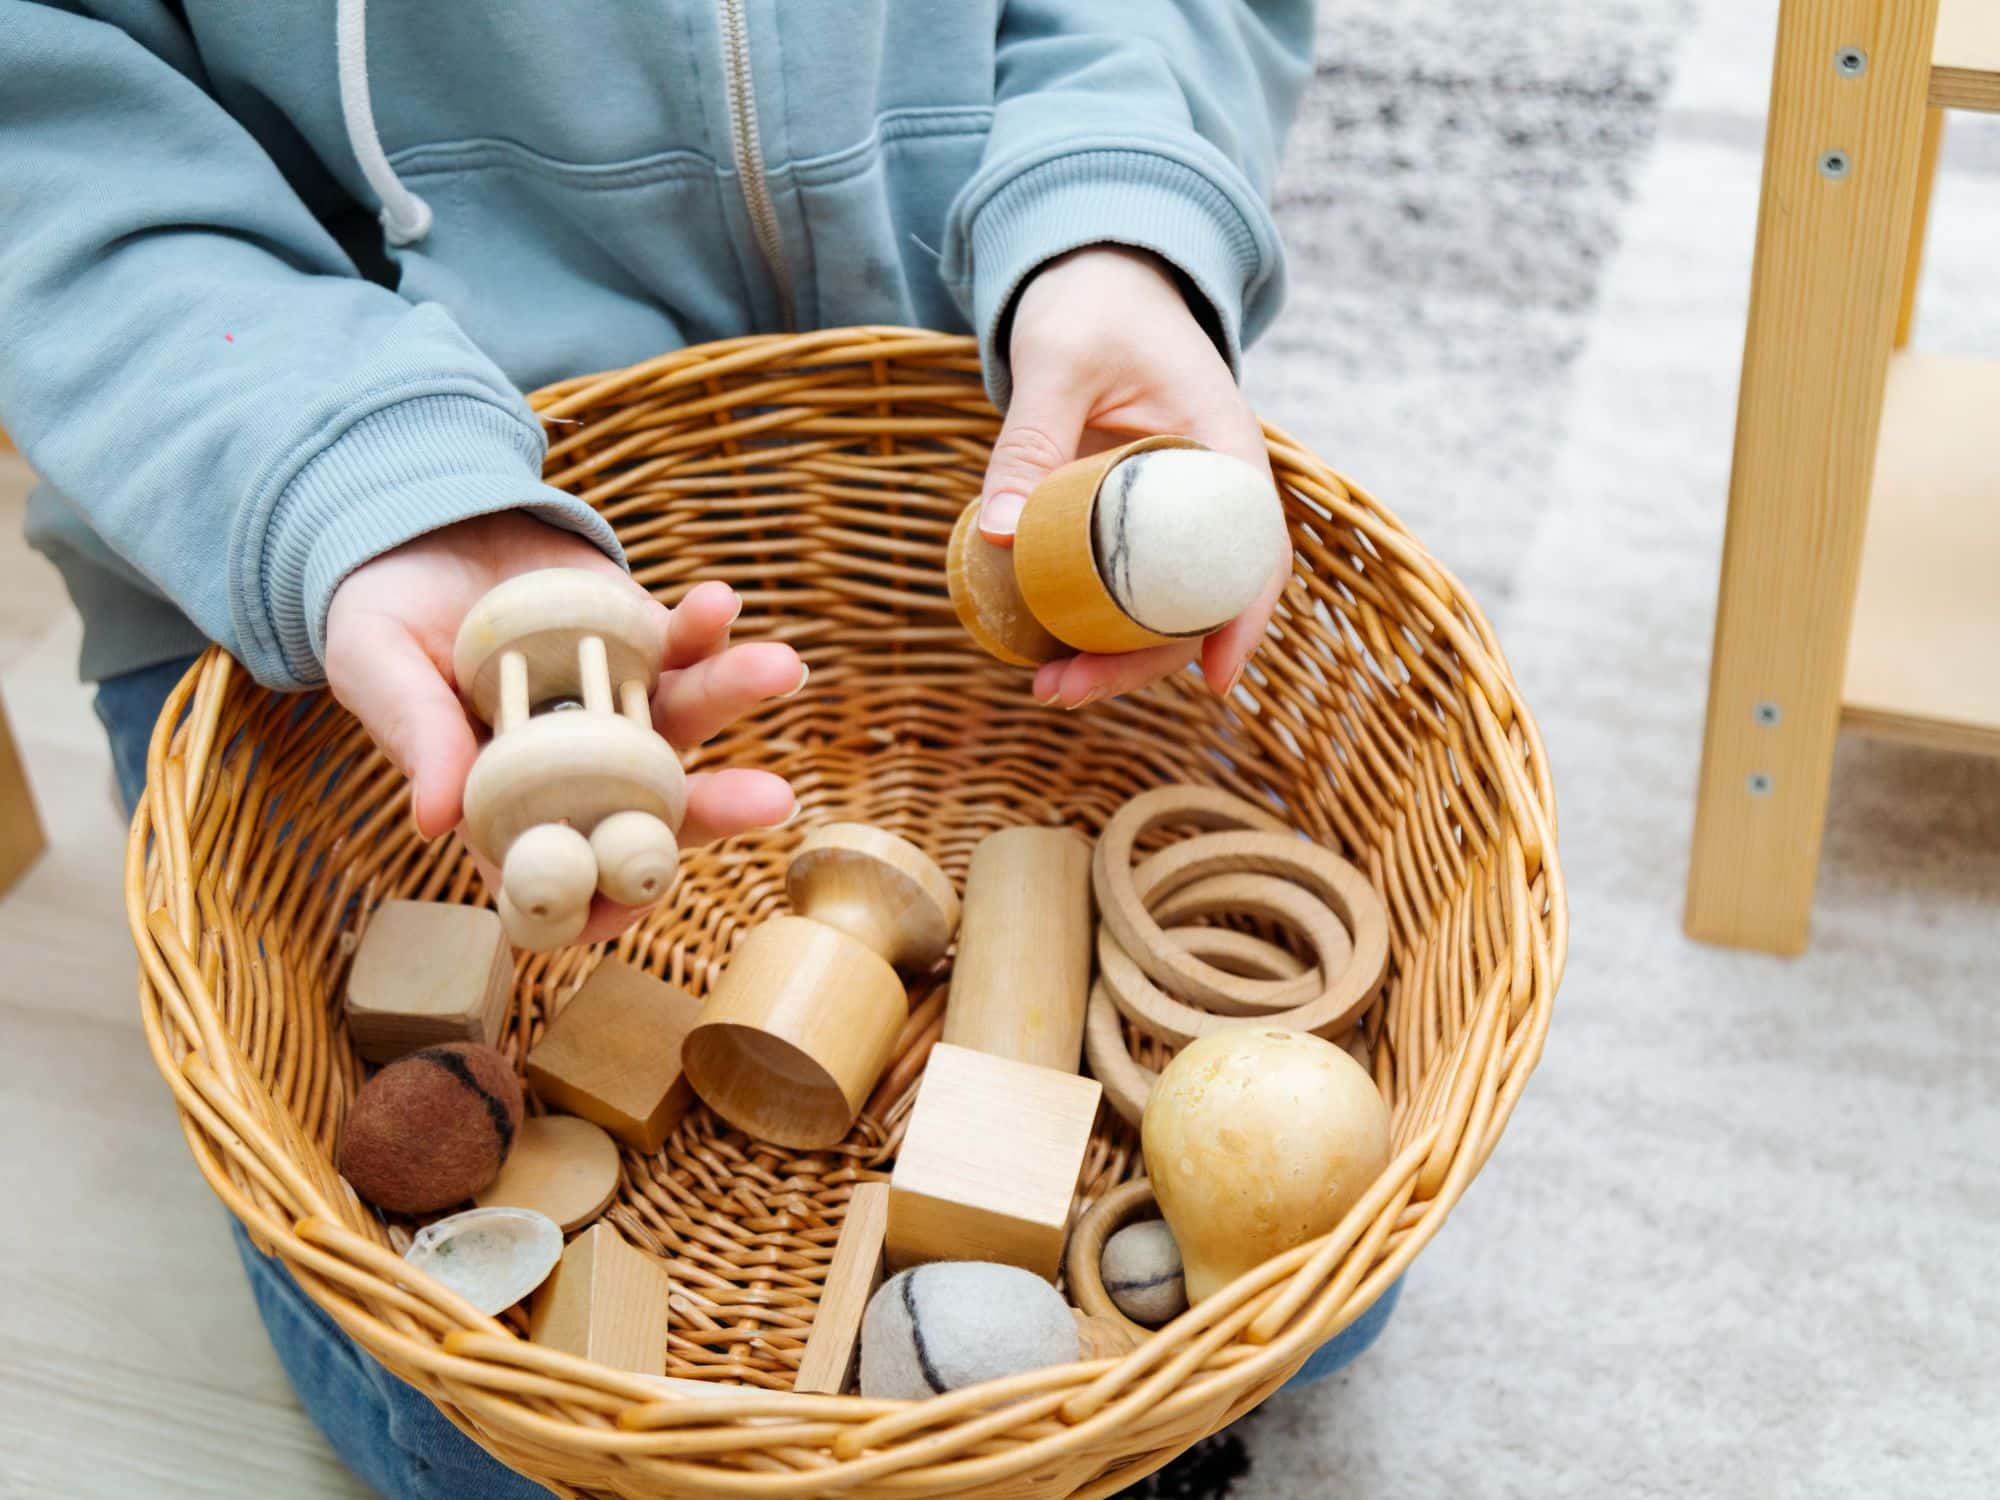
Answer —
878 889
543 615
1127 1081
1320 875
988 600
1127 1203
560 1166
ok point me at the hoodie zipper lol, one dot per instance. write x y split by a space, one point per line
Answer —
750 151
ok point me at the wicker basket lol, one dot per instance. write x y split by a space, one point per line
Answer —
820 474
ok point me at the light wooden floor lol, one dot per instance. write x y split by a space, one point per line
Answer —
132 1362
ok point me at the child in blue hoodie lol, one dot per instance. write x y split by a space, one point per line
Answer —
276 276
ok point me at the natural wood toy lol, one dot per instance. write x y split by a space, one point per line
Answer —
427 972
1158 541
940 1327
804 1019
606 1302
562 1167
996 1138
576 792
492 1257
432 1128
1256 1141
612 1055
1128 1203
828 1366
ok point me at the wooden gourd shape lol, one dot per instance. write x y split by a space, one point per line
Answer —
576 792
804 1019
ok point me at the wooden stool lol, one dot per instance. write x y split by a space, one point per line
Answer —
1843 604
576 792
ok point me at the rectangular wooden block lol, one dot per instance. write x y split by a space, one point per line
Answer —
21 837
605 1302
990 1162
828 1367
612 1055
428 972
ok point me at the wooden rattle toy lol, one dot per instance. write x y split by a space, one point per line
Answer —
562 1167
1257 1140
940 1327
576 792
432 1128
427 973
827 1368
997 1136
803 1021
612 1055
606 1302
1158 541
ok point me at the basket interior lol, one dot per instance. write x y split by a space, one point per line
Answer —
824 491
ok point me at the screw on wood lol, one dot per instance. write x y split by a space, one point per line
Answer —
1850 62
1835 164
1767 714
1760 783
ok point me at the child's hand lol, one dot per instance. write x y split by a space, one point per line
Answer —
1104 349
389 637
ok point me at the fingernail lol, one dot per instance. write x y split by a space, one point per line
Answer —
805 674
1087 699
736 613
790 817
1229 687
1001 514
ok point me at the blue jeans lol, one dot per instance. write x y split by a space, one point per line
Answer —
387 1432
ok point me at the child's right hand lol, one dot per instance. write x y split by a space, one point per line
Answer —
389 637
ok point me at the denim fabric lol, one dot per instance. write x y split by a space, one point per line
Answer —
389 1433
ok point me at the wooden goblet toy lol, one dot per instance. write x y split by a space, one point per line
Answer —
576 792
803 1021
1160 540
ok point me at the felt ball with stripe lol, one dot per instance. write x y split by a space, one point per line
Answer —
432 1128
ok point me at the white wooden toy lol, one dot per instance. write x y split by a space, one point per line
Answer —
576 793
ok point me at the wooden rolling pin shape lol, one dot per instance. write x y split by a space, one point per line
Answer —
997 1137
802 1022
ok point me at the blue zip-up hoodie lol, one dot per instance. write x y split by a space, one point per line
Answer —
273 276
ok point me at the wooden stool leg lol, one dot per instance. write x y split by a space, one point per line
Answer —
21 838
1840 175
1920 221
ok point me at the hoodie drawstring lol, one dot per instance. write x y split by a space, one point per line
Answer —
406 218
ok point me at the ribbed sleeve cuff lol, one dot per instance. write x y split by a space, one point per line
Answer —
395 471
1137 198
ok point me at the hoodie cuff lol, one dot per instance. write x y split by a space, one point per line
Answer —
1125 197
396 471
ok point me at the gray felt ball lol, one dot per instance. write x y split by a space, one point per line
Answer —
1142 1272
955 1323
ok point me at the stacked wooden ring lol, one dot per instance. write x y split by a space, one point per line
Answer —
1174 980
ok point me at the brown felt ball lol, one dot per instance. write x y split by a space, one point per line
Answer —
432 1128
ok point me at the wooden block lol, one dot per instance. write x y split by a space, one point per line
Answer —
829 1364
21 837
428 972
1020 985
606 1302
612 1055
989 1162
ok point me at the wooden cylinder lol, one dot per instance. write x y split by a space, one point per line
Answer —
797 1030
1020 986
1055 557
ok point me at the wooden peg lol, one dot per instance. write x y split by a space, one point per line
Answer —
997 1136
576 792
612 1055
428 972
606 1302
828 1366
804 1019
560 1166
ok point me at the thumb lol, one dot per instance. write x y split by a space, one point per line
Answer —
389 682
1044 424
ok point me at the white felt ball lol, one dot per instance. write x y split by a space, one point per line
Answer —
955 1323
1186 538
1142 1272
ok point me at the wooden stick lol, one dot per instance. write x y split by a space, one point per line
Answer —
828 1365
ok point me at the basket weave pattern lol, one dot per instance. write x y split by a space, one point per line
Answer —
820 475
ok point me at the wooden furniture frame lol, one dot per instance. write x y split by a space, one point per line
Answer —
21 836
1864 507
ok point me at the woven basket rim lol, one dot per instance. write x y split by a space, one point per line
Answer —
1084 1430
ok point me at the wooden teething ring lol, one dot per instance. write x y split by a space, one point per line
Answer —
1250 895
1321 877
1127 1082
1128 1203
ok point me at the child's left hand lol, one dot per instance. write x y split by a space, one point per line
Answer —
1105 349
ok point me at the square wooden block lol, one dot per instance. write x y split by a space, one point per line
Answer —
990 1162
606 1302
828 1366
428 972
612 1055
